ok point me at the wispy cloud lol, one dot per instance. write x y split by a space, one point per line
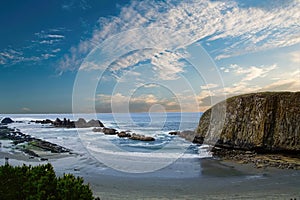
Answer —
78 4
247 81
243 29
295 57
49 37
251 72
43 46
209 86
26 109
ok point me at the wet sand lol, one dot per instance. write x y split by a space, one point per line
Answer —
219 180
214 179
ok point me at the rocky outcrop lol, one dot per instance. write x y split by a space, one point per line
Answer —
7 120
263 122
67 123
124 134
18 138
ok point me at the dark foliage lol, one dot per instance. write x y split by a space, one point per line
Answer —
40 182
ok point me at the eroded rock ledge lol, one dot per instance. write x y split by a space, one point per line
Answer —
260 128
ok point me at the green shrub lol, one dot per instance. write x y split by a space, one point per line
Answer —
40 182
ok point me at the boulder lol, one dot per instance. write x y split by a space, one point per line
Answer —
81 123
7 120
57 122
97 130
263 122
173 133
95 123
141 137
109 131
65 123
46 121
124 134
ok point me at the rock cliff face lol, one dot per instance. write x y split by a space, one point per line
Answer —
268 122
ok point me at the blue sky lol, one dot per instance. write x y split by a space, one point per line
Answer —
64 56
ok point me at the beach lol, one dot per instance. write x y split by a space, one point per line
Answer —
216 180
193 175
222 180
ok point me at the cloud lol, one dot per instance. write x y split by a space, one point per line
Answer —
295 57
151 85
81 4
49 37
55 36
43 46
26 109
242 29
284 84
251 72
208 86
119 103
244 83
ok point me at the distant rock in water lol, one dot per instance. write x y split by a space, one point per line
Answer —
67 123
141 137
265 122
7 120
124 134
109 131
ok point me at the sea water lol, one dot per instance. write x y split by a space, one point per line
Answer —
109 154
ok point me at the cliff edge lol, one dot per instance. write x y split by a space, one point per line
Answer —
262 122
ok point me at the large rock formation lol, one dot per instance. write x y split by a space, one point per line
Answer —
266 122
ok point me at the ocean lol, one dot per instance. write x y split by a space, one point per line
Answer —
111 155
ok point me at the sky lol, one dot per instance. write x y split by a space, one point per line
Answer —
139 56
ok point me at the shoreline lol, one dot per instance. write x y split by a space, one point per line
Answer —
219 179
222 180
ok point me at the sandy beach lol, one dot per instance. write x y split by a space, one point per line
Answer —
216 180
219 180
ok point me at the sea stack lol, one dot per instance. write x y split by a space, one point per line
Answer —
265 122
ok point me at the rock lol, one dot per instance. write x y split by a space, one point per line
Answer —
97 130
95 123
81 123
173 133
198 140
261 122
65 123
141 137
123 134
7 120
188 135
109 131
46 121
